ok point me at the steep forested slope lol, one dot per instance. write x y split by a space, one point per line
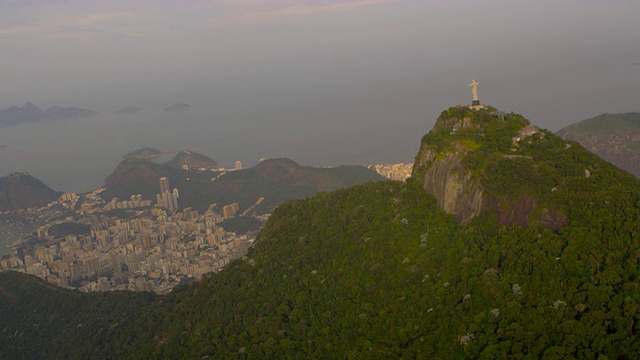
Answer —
381 271
42 321
614 137
274 180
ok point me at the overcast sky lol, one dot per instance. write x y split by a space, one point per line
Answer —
320 81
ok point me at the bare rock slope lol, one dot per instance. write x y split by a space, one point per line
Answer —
464 160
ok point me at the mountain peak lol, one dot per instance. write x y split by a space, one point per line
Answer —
18 175
31 108
467 163
19 190
190 159
143 153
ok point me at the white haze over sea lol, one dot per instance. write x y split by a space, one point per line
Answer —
320 128
321 82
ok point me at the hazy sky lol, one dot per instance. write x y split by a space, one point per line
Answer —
321 82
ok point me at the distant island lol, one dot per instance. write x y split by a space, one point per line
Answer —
175 108
143 154
129 110
30 113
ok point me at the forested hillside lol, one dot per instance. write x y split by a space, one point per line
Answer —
380 271
614 137
274 180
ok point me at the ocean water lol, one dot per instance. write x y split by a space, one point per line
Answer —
77 155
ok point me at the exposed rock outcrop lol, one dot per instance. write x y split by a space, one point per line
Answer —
455 159
456 190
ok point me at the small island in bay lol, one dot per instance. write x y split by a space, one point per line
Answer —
176 108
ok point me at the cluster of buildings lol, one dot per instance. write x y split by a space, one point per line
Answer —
167 199
237 166
400 171
134 202
229 211
154 249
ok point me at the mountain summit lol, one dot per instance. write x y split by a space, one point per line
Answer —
479 159
277 180
507 242
192 160
21 190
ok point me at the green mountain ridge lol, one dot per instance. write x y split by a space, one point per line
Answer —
277 180
19 191
389 270
475 160
614 137
192 160
605 124
280 180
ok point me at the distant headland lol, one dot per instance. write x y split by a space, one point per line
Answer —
30 113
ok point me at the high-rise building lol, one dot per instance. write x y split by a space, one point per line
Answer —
238 165
174 198
229 211
164 185
167 199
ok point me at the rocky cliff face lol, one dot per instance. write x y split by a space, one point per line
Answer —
455 166
456 190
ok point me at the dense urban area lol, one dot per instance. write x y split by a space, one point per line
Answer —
87 243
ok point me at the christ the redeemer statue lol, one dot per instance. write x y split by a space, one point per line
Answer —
474 89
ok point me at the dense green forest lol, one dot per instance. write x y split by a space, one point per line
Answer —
280 180
605 124
69 228
378 271
614 137
241 224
